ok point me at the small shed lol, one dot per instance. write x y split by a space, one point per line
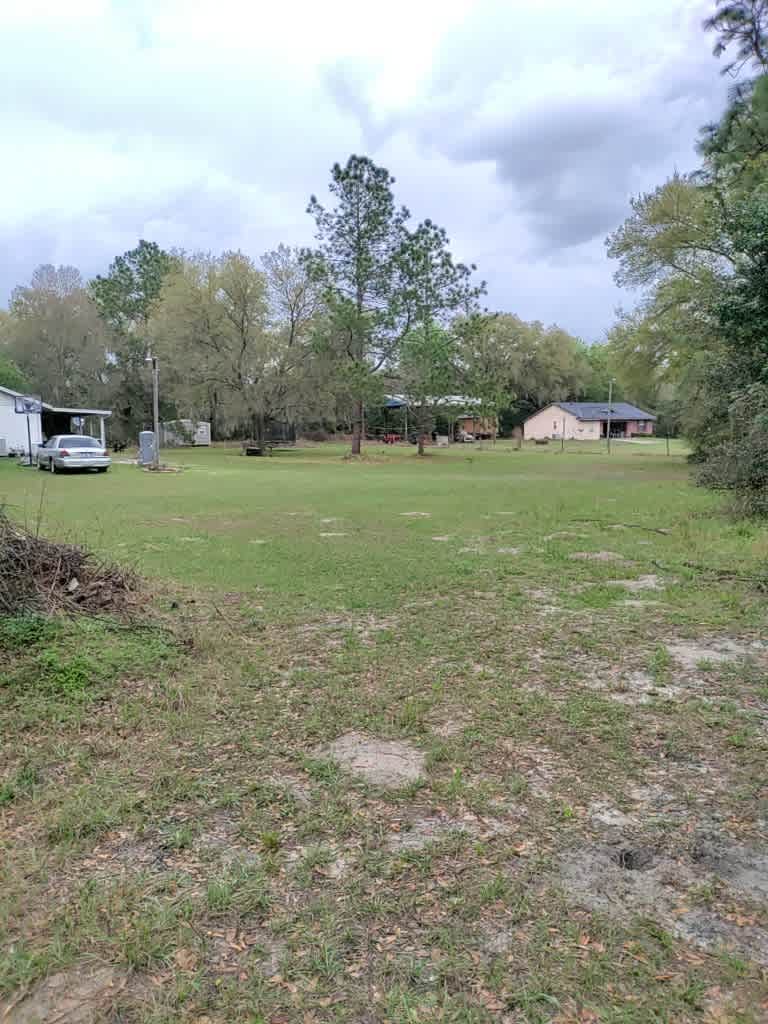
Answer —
186 433
480 427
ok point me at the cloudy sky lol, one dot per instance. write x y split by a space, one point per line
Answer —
522 127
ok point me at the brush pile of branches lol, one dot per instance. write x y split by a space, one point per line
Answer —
39 575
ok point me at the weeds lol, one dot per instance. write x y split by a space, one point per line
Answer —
165 811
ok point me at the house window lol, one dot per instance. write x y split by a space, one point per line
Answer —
554 425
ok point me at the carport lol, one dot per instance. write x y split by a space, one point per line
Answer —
59 420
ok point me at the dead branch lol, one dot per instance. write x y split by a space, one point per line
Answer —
44 576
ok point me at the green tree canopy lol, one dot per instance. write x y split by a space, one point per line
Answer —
57 339
740 26
355 267
10 375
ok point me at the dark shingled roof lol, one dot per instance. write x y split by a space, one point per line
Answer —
599 411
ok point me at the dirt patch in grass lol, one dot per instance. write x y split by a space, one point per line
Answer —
625 881
703 928
418 832
185 845
654 803
622 880
636 688
123 850
690 654
389 763
448 727
597 556
83 994
649 582
603 813
541 767
232 951
744 868
298 789
565 535
330 631
219 838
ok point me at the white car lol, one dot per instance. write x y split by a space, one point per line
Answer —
73 451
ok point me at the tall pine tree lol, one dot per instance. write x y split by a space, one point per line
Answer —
356 266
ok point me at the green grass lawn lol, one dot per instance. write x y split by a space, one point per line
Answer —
569 645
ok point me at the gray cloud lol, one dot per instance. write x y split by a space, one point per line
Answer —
195 217
524 130
573 120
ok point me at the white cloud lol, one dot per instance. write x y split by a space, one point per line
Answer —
522 129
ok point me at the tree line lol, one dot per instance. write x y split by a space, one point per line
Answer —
696 247
315 337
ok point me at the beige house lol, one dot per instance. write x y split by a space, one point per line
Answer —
588 421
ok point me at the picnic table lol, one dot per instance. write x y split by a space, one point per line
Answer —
257 448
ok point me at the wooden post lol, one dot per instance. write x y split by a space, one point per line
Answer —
610 397
562 439
156 411
667 444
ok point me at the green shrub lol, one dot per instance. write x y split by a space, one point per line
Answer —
19 632
739 464
65 677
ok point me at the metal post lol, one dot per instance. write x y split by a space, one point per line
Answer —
562 439
667 444
610 398
29 440
156 411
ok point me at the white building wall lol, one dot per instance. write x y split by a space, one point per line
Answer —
13 426
550 422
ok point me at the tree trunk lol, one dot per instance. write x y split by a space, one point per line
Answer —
213 414
420 449
357 428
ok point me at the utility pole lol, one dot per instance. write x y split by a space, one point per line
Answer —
610 410
155 410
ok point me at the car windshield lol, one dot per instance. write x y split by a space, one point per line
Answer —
78 441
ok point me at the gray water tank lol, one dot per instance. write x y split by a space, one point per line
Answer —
146 447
